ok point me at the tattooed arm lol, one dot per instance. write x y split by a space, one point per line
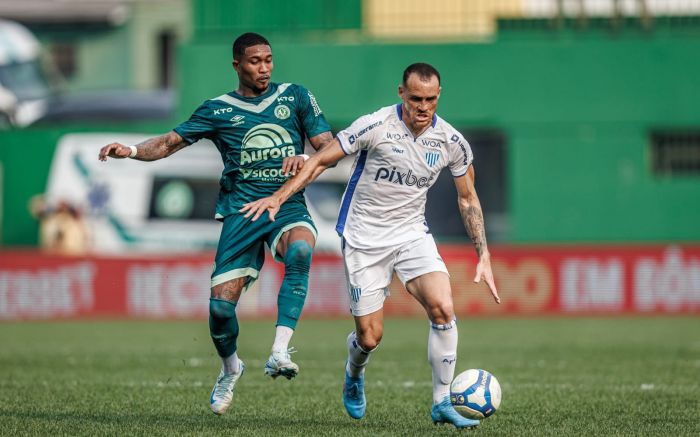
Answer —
149 150
473 218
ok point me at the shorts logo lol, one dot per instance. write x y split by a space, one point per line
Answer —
355 293
237 120
432 158
282 112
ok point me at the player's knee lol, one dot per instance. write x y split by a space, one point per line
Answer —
441 313
369 340
298 255
222 309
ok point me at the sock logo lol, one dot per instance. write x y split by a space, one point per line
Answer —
449 360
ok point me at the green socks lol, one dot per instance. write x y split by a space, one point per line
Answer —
292 295
223 326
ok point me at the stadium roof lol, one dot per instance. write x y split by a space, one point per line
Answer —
112 12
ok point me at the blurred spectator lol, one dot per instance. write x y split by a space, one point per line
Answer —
61 228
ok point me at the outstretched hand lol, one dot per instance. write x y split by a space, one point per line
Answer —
483 271
257 208
114 150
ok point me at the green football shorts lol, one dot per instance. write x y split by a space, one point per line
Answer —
241 250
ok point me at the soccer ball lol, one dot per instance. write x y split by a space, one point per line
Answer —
475 394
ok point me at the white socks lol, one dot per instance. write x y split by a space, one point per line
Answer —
231 364
357 357
442 356
282 336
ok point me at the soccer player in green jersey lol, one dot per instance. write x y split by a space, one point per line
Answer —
259 129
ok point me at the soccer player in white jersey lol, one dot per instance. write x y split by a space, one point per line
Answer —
400 150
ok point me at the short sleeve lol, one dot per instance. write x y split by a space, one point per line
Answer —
360 134
461 156
198 126
310 113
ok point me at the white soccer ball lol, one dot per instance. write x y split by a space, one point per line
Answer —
475 394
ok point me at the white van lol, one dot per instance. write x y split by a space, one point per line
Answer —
24 89
165 205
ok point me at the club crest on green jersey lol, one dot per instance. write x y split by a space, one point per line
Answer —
282 112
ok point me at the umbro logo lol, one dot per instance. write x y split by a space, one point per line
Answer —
237 120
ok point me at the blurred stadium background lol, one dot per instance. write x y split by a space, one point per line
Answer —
583 116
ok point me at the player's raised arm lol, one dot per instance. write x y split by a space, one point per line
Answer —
328 156
473 218
149 150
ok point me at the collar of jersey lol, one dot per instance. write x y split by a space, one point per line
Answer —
255 104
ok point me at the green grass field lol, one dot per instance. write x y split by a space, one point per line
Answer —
601 376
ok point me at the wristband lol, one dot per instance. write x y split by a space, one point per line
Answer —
305 156
134 151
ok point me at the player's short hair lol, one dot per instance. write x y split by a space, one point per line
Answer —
423 70
246 40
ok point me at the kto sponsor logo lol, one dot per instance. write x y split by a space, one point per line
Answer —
398 177
220 111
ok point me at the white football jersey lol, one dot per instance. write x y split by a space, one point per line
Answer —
384 201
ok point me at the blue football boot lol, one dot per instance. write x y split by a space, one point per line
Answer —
444 412
354 396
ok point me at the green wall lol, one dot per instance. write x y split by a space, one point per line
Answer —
225 18
577 109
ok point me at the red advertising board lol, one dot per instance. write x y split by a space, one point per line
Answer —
565 280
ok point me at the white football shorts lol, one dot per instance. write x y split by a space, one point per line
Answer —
369 271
